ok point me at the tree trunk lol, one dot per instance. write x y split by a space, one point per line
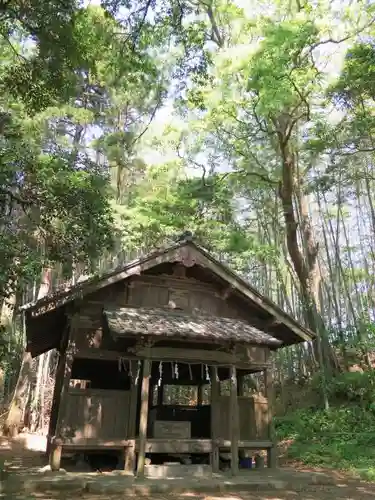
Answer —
305 268
21 392
6 321
7 311
305 264
36 416
2 383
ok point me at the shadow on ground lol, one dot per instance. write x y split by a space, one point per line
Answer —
24 480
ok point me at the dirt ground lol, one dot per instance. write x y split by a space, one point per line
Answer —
339 492
343 487
354 491
318 493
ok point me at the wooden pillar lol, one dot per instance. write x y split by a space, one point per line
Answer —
240 393
55 456
55 450
130 450
234 420
143 417
215 424
268 384
130 457
59 380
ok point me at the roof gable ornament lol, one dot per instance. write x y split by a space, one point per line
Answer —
186 256
185 236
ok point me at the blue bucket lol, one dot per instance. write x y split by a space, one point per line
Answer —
247 463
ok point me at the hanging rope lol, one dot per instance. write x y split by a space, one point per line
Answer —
160 373
138 372
122 364
190 372
207 374
176 370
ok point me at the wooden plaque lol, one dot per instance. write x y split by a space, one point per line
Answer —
171 430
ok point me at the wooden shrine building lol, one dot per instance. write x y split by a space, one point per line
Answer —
131 339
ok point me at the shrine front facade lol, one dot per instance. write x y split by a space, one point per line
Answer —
168 358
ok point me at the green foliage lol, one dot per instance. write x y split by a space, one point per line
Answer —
72 47
281 72
166 203
350 142
80 68
356 82
341 438
40 75
358 387
52 208
170 207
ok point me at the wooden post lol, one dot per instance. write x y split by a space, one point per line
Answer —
130 450
55 456
143 417
59 380
240 392
215 396
234 420
130 458
55 452
271 452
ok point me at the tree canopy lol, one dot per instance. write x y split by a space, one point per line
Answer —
125 123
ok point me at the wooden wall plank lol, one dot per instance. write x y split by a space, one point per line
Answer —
96 414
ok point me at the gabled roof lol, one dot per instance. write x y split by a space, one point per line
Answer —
281 325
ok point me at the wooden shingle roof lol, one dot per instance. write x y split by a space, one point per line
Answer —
162 322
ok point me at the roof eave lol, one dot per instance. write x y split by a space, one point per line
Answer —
97 282
119 322
302 333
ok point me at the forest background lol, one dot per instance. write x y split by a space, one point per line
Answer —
124 123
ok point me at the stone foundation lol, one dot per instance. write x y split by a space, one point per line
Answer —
178 471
